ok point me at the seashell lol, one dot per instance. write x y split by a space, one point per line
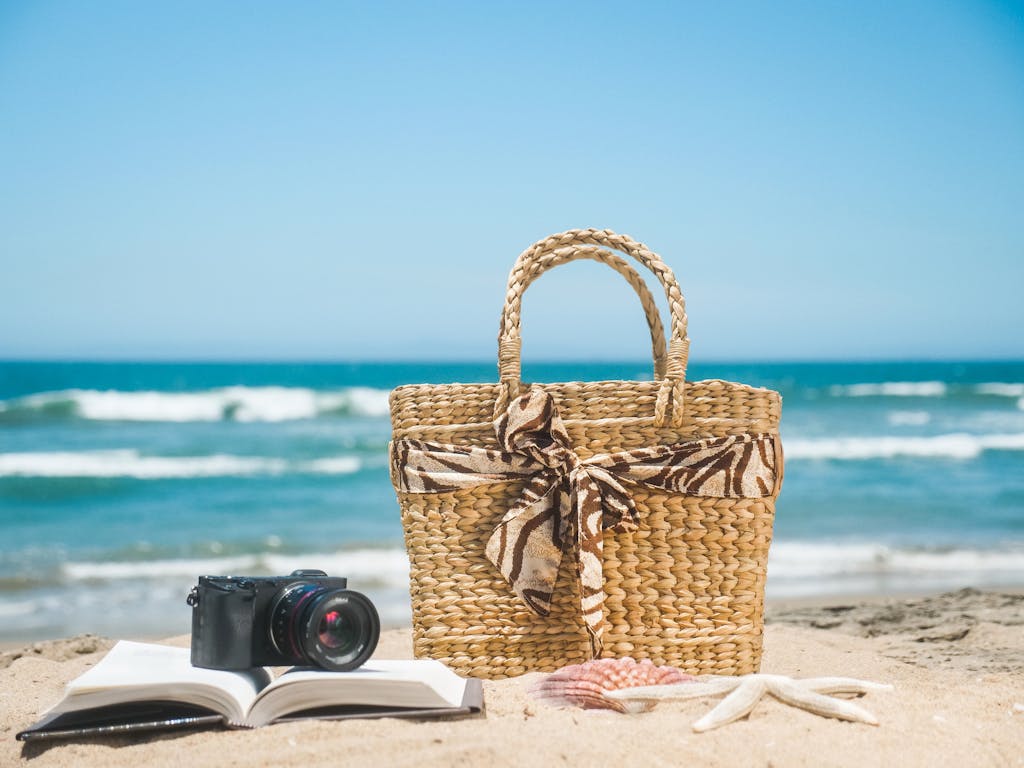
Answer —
584 685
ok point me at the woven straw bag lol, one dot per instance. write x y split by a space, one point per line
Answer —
680 576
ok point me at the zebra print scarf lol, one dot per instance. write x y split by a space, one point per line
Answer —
569 501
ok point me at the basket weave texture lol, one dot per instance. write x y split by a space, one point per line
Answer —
686 588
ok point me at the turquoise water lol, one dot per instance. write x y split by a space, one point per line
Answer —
120 483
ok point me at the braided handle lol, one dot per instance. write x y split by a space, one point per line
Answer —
552 259
547 253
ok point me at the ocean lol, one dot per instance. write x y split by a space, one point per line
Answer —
120 483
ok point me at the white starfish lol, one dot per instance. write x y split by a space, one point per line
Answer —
744 692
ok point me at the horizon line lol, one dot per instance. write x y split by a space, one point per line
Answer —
490 361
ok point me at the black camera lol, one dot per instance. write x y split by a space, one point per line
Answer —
308 618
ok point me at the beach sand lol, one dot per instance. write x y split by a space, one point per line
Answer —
956 661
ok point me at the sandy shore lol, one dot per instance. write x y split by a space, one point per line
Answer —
956 661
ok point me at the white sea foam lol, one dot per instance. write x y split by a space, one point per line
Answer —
337 465
367 401
954 446
380 567
908 418
892 389
17 609
129 463
1001 389
806 558
268 404
805 567
155 569
794 568
91 596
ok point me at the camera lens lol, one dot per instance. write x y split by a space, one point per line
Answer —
333 628
336 631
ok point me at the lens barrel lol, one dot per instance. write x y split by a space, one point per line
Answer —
336 629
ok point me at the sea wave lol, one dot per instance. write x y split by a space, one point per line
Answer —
892 389
90 595
818 568
131 464
1001 389
813 558
367 567
908 418
936 389
17 609
389 567
953 446
244 404
789 561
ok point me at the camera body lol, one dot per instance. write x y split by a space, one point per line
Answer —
307 618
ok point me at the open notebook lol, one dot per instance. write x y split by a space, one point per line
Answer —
141 686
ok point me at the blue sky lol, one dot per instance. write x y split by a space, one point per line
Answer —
335 180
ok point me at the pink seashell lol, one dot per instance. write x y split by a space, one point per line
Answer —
583 685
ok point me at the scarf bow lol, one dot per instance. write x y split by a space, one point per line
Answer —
570 501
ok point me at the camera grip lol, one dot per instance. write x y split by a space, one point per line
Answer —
220 615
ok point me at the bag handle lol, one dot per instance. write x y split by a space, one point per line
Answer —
552 259
668 407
